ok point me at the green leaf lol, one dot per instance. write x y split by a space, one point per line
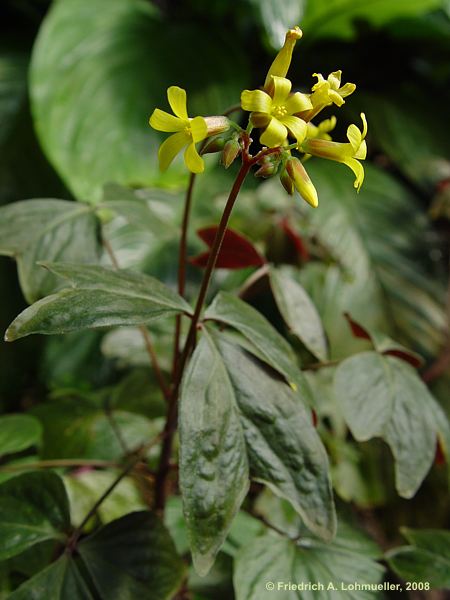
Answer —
78 428
299 312
33 508
273 558
214 477
62 580
284 449
337 18
18 432
381 396
46 229
92 108
99 297
387 282
277 17
271 346
426 559
133 558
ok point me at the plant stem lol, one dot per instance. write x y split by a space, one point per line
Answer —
58 464
72 542
144 331
171 421
182 256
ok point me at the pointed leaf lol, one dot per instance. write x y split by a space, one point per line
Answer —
384 344
214 476
426 559
133 558
279 560
299 312
18 432
382 396
33 508
229 309
284 449
46 229
99 297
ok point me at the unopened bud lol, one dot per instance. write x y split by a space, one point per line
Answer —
214 145
302 182
287 182
231 150
268 166
217 125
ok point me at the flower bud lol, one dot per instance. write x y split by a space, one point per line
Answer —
216 125
231 150
302 182
268 166
287 182
214 145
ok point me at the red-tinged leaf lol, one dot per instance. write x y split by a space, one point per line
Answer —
439 458
409 357
357 330
295 238
237 251
383 344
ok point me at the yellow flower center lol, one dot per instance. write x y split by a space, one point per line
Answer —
279 111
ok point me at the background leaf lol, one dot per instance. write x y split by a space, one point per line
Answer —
33 508
34 230
18 432
384 397
112 78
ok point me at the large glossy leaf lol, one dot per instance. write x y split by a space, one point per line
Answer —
33 508
133 558
337 18
98 297
271 346
214 477
384 280
271 558
46 229
92 108
284 449
299 312
382 396
18 432
426 559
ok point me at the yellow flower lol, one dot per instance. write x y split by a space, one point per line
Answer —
329 91
282 62
187 131
321 131
345 153
275 112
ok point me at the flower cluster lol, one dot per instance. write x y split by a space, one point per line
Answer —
284 118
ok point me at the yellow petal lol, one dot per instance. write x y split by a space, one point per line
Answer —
298 102
361 153
364 120
336 97
296 126
282 61
320 81
358 170
199 129
193 160
347 89
162 121
170 148
335 79
354 137
256 101
281 89
274 135
177 101
260 120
